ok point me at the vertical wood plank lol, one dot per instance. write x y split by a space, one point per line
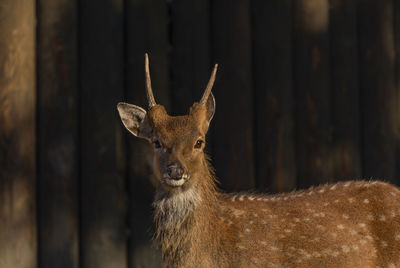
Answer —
272 74
397 84
346 151
233 122
17 134
146 31
311 81
377 57
103 207
57 134
190 61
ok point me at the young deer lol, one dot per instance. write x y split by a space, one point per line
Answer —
348 224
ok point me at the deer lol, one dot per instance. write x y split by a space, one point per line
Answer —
345 224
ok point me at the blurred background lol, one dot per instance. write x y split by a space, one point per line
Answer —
308 92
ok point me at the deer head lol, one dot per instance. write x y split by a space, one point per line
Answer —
178 141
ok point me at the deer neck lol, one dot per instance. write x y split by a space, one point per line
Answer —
184 220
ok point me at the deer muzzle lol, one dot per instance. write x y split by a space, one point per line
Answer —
175 176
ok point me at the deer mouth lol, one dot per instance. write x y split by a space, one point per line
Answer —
176 181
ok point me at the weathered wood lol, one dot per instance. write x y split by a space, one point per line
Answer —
103 200
312 98
233 136
377 57
146 31
345 90
17 134
396 30
190 61
57 134
272 74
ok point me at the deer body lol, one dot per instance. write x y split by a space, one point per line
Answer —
348 224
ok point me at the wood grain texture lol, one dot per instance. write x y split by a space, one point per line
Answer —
312 87
17 134
377 81
345 94
146 31
57 69
396 33
190 59
273 87
233 121
103 196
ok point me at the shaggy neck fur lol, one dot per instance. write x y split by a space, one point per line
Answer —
183 220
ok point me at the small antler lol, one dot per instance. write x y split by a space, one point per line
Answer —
210 84
149 90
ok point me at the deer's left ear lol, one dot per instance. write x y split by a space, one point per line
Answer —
210 105
135 120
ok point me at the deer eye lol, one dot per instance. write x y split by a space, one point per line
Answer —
198 144
157 144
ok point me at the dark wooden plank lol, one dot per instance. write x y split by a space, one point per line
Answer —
17 134
377 57
396 30
272 74
346 152
146 31
312 98
57 134
103 207
233 122
190 61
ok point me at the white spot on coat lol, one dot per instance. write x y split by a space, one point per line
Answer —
362 225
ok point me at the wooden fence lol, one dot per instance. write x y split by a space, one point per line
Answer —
308 91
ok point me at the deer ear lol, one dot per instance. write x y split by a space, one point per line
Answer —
210 107
135 120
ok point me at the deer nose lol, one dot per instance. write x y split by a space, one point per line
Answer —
175 171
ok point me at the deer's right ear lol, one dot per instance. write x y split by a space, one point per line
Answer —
135 120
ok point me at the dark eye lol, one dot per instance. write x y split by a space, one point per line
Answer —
198 144
157 144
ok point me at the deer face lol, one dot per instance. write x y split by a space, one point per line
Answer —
178 141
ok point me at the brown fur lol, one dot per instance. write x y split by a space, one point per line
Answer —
348 224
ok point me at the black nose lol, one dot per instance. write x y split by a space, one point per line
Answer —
174 171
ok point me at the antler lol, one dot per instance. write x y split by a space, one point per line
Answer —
210 84
149 90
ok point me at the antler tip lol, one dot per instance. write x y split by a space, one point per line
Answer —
149 90
210 84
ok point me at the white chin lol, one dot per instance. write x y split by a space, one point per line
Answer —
175 183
